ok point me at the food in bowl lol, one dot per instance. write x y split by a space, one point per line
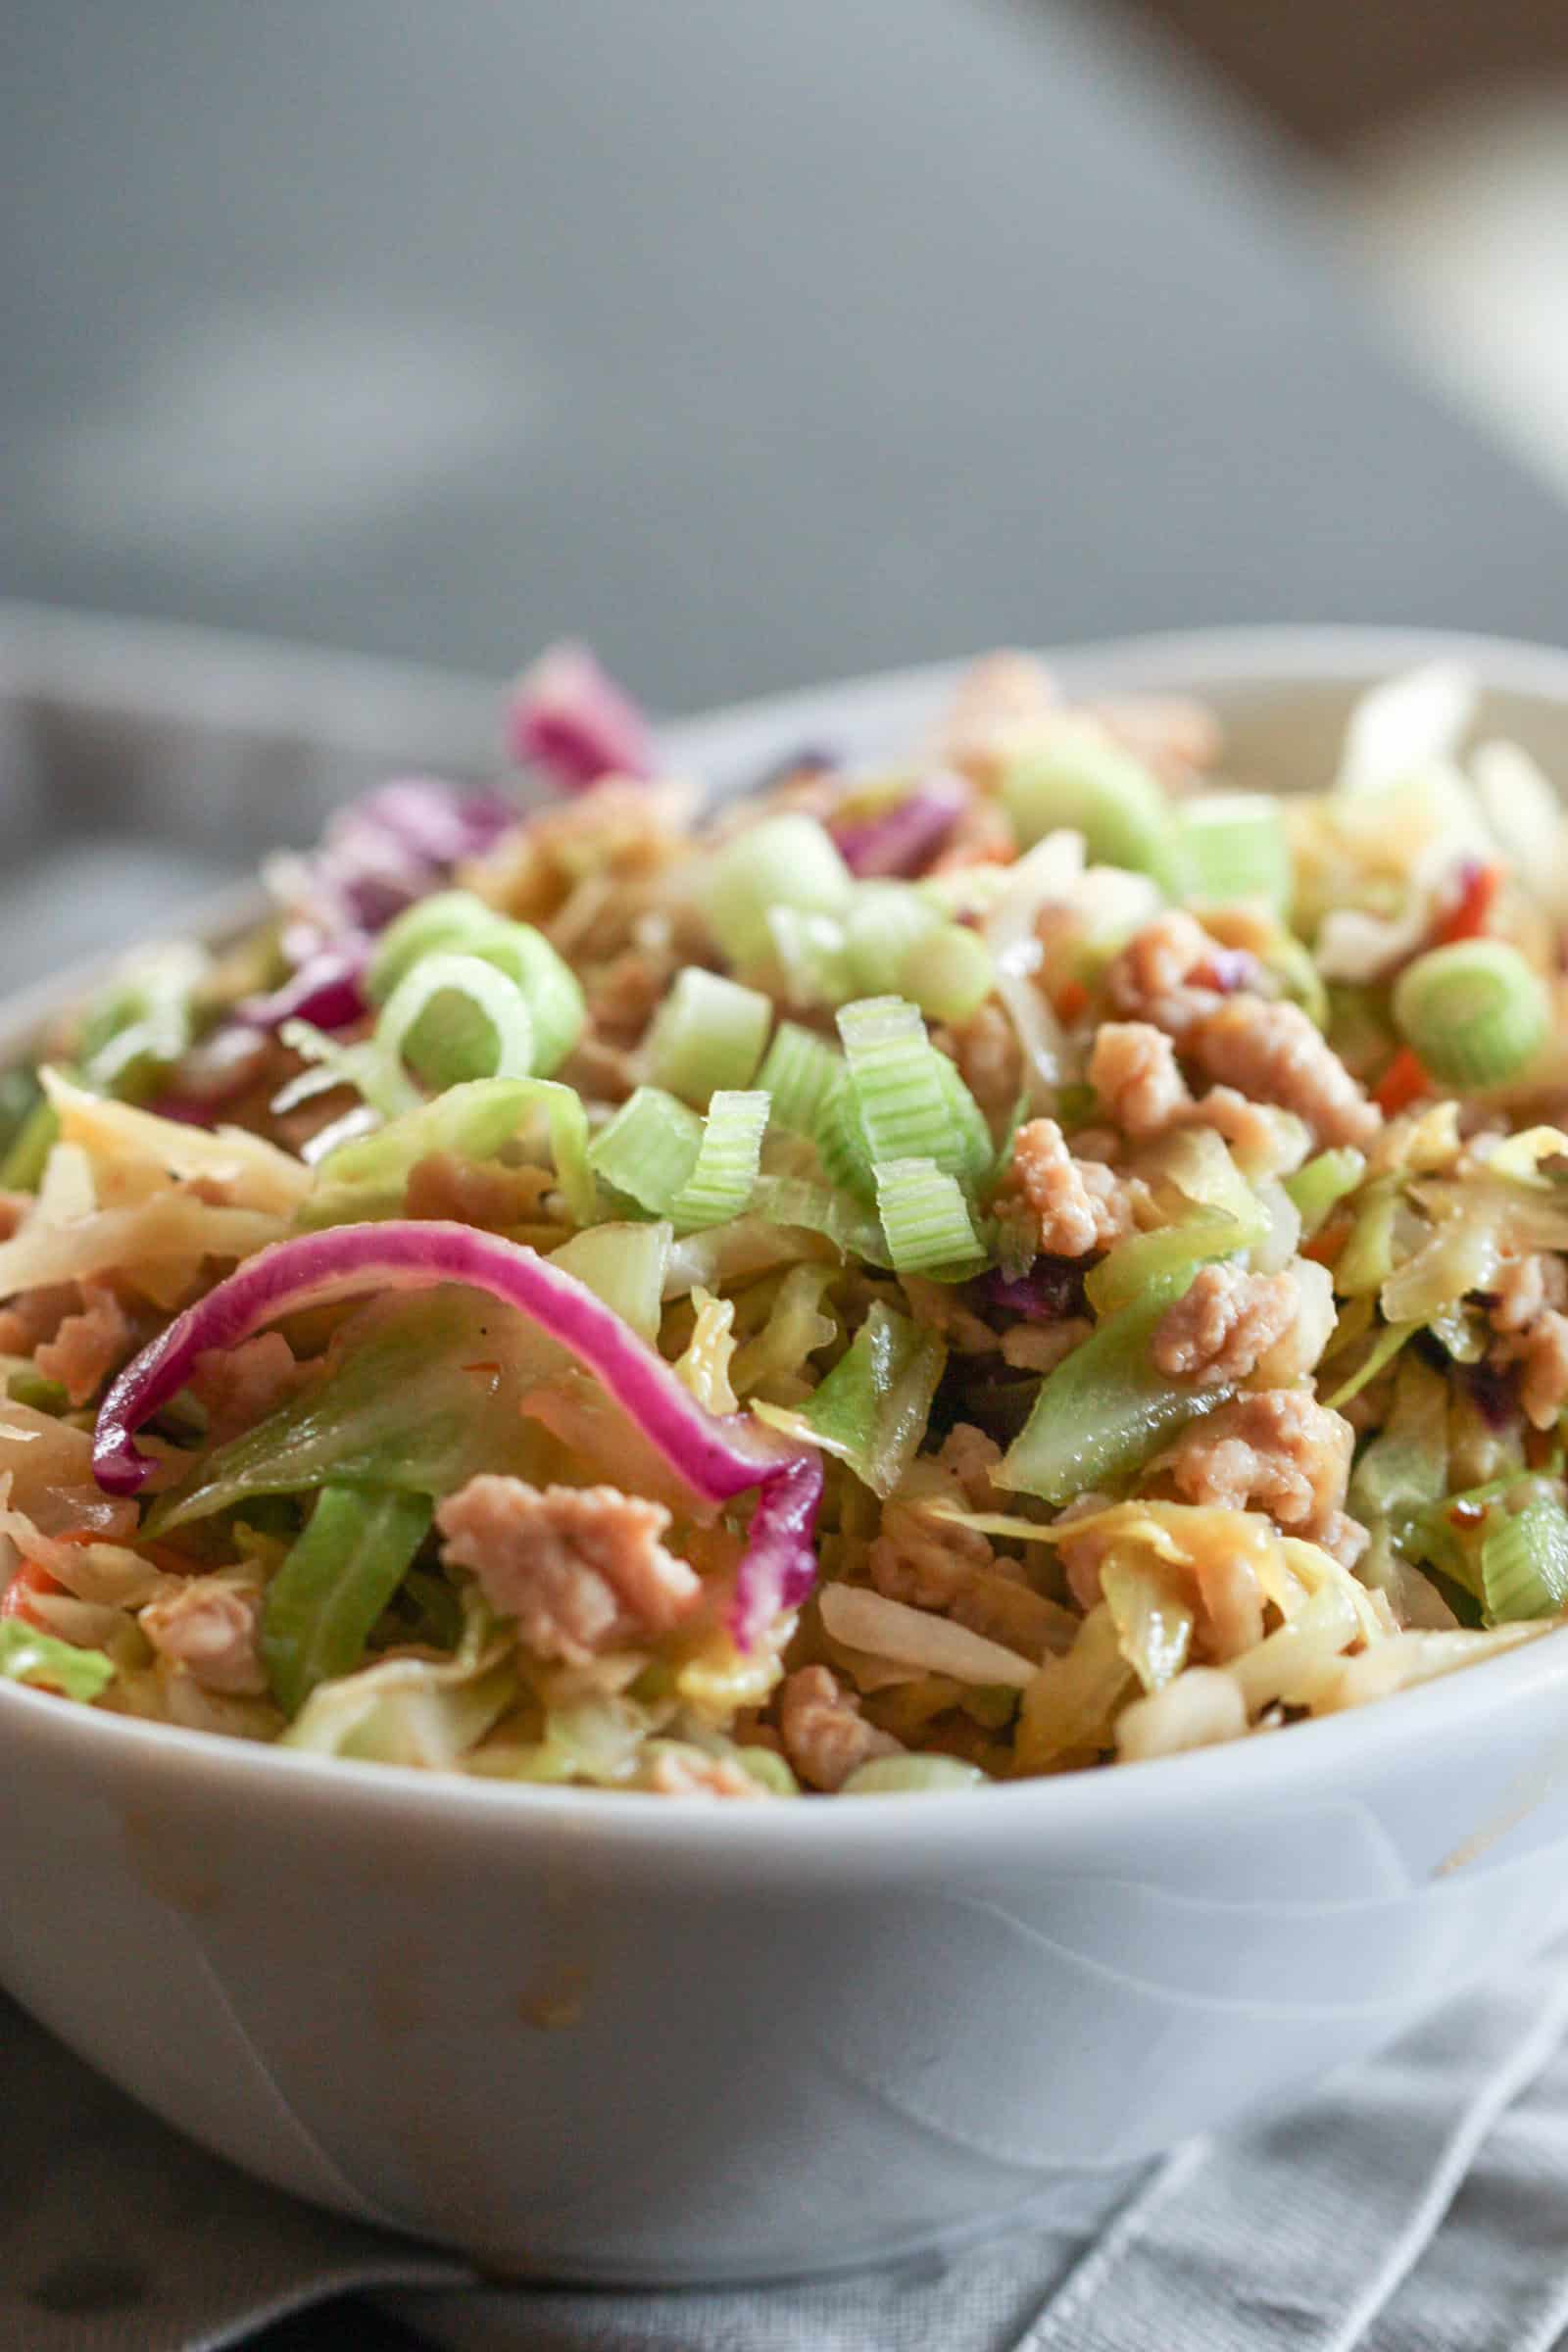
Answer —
1025 1254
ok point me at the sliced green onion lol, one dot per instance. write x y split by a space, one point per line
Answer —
1322 1184
649 1148
707 1034
949 973
456 1018
798 1072
323 1601
1105 1411
548 985
725 1175
1475 1013
454 920
926 1220
27 1655
1233 845
366 1066
1080 784
885 922
785 862
1524 1562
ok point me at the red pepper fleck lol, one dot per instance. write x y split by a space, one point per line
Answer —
1467 1514
1470 915
1402 1083
1073 1000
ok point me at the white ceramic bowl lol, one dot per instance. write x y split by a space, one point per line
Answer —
612 2038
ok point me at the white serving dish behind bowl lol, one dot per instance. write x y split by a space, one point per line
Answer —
612 2038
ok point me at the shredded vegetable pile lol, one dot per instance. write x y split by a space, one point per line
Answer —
1031 1253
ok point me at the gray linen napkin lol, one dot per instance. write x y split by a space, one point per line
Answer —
1419 2204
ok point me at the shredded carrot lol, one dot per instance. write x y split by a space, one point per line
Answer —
29 1581
1325 1246
1471 912
1073 1000
1402 1083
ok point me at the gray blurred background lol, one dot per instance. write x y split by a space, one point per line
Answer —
758 342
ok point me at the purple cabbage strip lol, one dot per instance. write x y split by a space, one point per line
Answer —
905 839
571 722
393 845
718 1458
1051 1292
327 989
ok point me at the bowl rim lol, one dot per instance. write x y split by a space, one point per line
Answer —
1310 1753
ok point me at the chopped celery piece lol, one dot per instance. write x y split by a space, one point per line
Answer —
1475 1013
723 1175
1105 1412
912 1776
366 1179
707 1034
1323 1182
909 1101
1524 1562
649 1148
926 1220
697 1172
340 1575
893 1072
1123 1274
456 1018
796 1073
784 861
1081 784
949 975
886 923
872 1409
27 1655
1233 845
